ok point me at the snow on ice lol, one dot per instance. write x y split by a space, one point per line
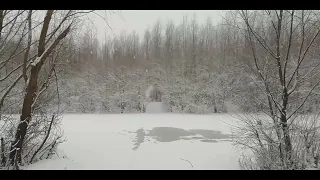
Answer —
125 142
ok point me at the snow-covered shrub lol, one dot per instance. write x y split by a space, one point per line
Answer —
264 145
125 102
43 136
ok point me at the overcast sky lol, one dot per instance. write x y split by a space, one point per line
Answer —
139 20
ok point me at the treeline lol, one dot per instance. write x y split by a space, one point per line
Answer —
194 65
199 68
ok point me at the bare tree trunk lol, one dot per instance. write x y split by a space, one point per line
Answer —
284 123
215 105
285 95
28 99
3 159
122 103
1 21
32 86
24 70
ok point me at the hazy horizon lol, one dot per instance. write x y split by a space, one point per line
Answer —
140 20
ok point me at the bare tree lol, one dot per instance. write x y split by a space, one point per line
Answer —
275 67
38 69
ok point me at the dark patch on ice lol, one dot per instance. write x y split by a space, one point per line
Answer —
169 134
139 139
210 134
209 140
196 138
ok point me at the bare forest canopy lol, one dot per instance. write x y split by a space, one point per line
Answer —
200 68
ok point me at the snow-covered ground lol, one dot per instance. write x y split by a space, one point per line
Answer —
155 107
145 141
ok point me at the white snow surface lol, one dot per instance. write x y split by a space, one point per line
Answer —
96 142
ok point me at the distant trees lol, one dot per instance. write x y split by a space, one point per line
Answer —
167 54
154 59
215 58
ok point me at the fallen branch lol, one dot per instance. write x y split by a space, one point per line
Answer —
187 161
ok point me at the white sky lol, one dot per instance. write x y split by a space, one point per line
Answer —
139 20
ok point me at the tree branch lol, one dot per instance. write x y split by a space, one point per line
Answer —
187 161
289 47
24 70
44 141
